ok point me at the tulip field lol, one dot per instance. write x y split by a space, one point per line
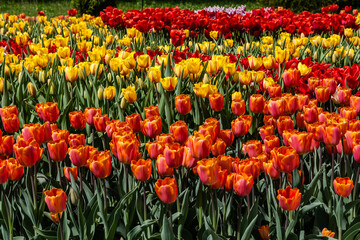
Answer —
169 123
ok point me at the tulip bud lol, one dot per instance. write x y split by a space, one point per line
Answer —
123 103
73 197
100 94
109 77
31 89
139 83
118 79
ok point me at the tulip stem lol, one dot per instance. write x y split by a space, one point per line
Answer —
10 221
126 178
104 141
340 218
213 209
33 179
48 158
239 220
170 215
332 165
286 221
248 203
355 188
81 186
157 94
93 135
144 195
61 229
224 212
58 168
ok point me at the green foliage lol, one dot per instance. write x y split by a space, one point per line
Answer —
92 7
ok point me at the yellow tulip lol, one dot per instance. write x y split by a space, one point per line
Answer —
129 94
109 93
154 74
143 61
169 83
71 74
193 65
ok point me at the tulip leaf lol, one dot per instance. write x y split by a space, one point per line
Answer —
291 224
166 231
248 230
309 189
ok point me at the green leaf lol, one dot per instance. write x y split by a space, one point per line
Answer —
249 229
166 231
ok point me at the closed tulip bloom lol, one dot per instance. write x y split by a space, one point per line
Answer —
276 107
57 150
77 120
6 145
291 103
285 159
7 110
218 148
169 83
310 113
55 200
216 101
270 169
255 63
301 142
166 189
4 176
33 130
141 169
354 125
90 113
274 90
76 140
284 123
100 122
242 184
241 125
115 125
313 82
14 169
225 162
162 168
71 170
252 148
229 181
200 145
59 134
354 103
356 151
264 232
143 61
134 121
221 179
343 94
180 131
227 136
27 153
238 107
266 130
151 111
289 198
79 155
327 233
188 160
48 111
109 93
154 149
269 62
183 104
165 138
271 142
229 68
332 134
154 74
100 164
300 120
11 123
343 149
317 130
302 100
129 94
249 166
71 74
291 77
348 112
152 126
208 171
213 124
127 150
322 93
172 154
257 102
343 186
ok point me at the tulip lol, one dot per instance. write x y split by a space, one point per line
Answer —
27 153
291 77
57 150
332 134
327 233
180 131
55 200
257 102
241 125
208 171
229 68
154 74
8 110
289 198
200 145
317 130
35 131
14 169
276 107
134 121
100 164
252 148
76 140
310 113
151 126
71 74
169 83
183 104
151 111
129 94
90 113
141 169
322 93
193 65
249 166
71 170
343 186
242 184
188 160
255 63
271 142
227 136
216 101
269 62
266 130
143 61
348 112
221 179
238 107
127 149
3 172
77 120
270 169
264 232
331 83
343 95
79 155
100 122
6 145
229 181
166 189
285 159
284 123
218 148
109 93
172 154
301 142
162 168
47 111
274 90
354 103
225 162
291 103
60 134
11 123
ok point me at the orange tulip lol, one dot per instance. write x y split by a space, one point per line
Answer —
208 171
166 189
221 179
10 122
162 168
3 172
301 142
134 121
310 113
271 142
343 186
270 169
8 110
77 120
154 149
100 164
55 200
90 113
285 159
302 100
47 111
7 145
291 77
354 103
151 111
71 170
27 153
317 130
57 150
33 130
200 145
249 166
14 169
79 155
252 148
183 104
266 130
218 148
264 232
276 107
274 90
313 82
238 107
241 125
327 233
289 198
242 184
348 112
343 95
216 101
188 160
59 134
180 131
100 122
229 182
126 149
76 140
141 169
151 126
284 123
322 93
332 134
257 102
165 138
172 154
225 162
227 136
291 103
